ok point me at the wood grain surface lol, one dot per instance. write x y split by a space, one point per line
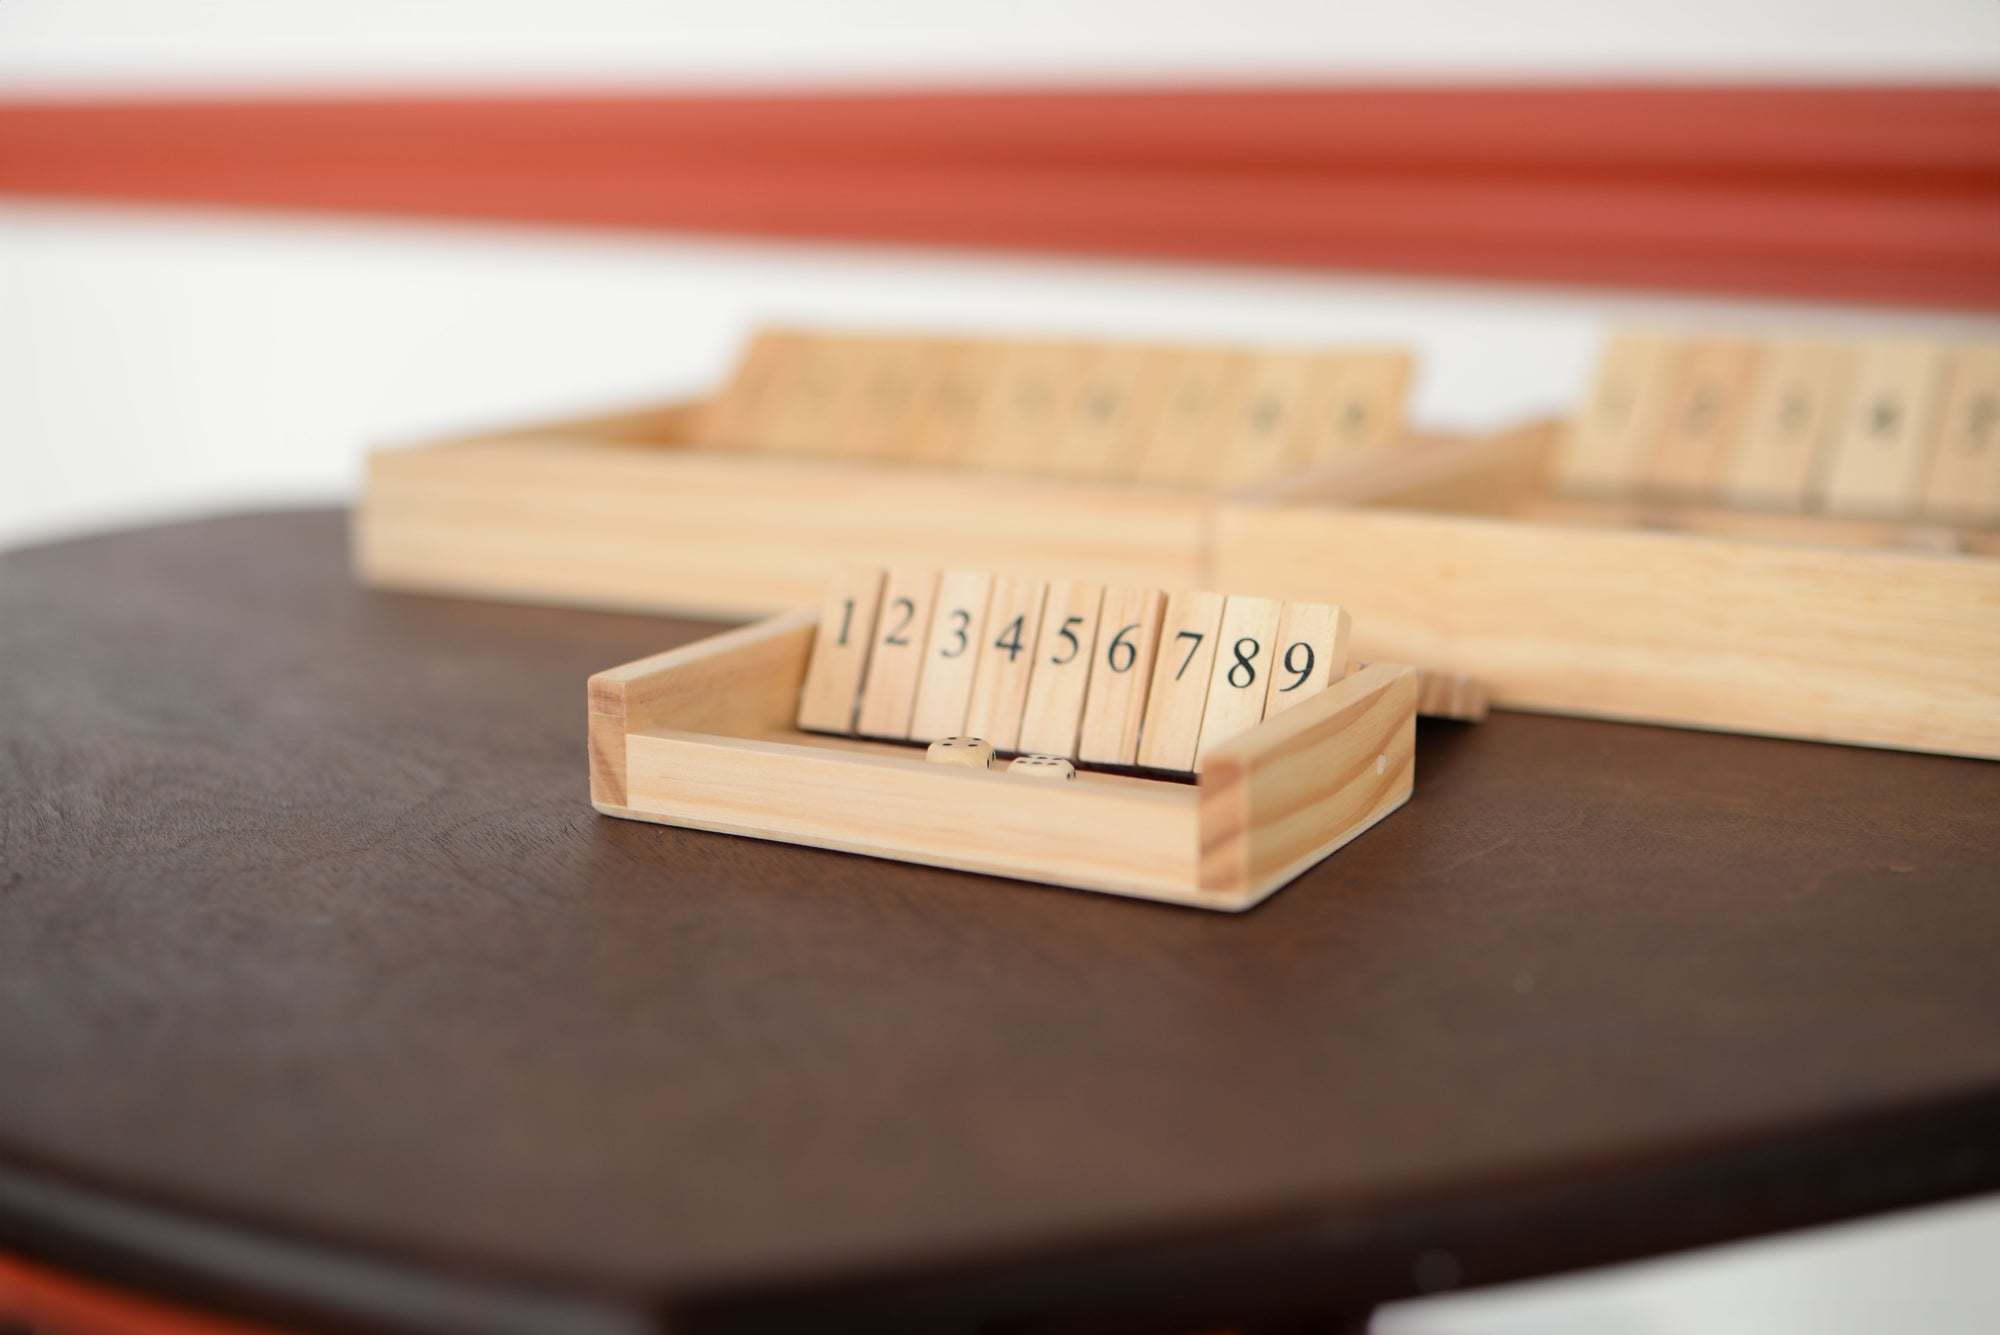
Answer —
327 1001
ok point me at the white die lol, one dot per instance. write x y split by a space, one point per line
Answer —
967 751
1043 767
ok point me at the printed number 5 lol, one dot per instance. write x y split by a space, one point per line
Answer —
1066 633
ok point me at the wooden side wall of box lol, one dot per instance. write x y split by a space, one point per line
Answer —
1339 762
562 517
1880 648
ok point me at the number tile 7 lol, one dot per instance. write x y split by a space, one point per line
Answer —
1244 653
1006 660
1179 692
889 691
1128 639
1310 654
1065 654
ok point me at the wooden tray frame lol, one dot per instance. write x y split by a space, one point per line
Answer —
1448 552
702 737
1864 632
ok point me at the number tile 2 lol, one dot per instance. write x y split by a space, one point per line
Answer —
889 692
1240 677
1309 655
1128 639
840 650
951 655
1181 669
1066 651
1006 661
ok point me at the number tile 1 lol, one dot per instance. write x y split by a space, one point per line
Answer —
839 660
1180 681
1114 708
951 654
889 691
1006 661
1066 651
1309 654
1245 648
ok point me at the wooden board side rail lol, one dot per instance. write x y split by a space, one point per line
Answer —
704 737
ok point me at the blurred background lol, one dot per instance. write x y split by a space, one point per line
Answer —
173 344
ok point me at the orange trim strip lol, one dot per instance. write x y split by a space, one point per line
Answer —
47 1300
1877 194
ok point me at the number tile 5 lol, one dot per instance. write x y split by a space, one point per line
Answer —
1065 654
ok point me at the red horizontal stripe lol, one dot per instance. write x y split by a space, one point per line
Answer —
1876 194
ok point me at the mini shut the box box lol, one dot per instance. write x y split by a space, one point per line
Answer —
1195 749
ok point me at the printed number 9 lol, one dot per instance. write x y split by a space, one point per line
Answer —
1290 666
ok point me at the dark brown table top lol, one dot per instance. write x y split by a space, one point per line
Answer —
326 998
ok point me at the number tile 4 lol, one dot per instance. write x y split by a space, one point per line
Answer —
1240 677
1065 653
1006 656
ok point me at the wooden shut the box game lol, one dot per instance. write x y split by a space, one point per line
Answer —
806 728
1783 537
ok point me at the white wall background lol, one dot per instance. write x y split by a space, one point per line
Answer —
155 364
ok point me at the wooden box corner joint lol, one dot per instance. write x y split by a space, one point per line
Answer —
706 737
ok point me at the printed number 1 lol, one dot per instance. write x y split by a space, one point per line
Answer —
846 620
